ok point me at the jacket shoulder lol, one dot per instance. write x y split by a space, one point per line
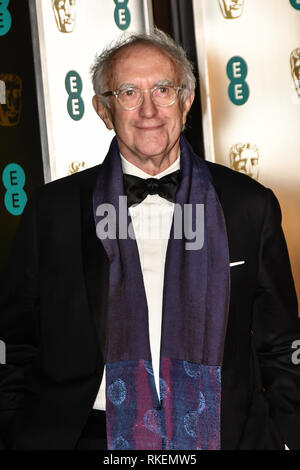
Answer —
233 184
61 188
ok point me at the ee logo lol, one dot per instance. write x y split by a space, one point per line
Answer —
15 198
295 4
122 14
238 90
75 104
5 17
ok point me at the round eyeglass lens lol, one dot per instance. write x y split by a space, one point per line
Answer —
130 97
164 95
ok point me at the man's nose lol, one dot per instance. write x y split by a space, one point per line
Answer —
148 108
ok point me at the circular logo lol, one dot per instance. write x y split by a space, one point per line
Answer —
152 421
117 392
238 90
192 370
122 14
75 104
295 4
120 444
15 198
5 18
190 423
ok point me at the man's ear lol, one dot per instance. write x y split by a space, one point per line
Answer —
102 111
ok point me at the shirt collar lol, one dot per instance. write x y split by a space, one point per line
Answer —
131 169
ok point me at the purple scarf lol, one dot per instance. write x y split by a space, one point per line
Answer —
195 310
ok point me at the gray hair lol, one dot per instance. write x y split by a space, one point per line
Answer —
157 39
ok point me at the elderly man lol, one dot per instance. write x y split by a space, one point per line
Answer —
122 340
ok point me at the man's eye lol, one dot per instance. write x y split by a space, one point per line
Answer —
128 93
163 90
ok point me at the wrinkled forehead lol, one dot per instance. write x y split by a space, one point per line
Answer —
134 57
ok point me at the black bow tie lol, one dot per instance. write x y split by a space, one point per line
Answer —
137 189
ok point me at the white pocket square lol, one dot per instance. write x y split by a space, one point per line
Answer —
236 263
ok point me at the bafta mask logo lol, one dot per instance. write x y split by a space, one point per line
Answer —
76 166
245 159
231 8
10 112
295 68
64 12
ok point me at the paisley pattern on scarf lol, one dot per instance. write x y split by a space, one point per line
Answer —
194 319
187 418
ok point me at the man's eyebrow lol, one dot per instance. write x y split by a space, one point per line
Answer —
164 81
127 85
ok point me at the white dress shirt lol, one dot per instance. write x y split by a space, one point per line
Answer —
151 220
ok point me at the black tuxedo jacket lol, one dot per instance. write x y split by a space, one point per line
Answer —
53 305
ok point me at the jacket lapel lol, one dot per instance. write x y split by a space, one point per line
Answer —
95 263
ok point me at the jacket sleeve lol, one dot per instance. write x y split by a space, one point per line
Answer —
277 327
19 307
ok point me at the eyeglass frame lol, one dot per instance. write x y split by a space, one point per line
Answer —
116 93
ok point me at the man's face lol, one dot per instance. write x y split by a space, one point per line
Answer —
10 111
231 8
246 162
64 11
148 131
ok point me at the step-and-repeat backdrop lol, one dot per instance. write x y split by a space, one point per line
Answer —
21 168
48 127
67 36
249 67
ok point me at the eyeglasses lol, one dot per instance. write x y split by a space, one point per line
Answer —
132 97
